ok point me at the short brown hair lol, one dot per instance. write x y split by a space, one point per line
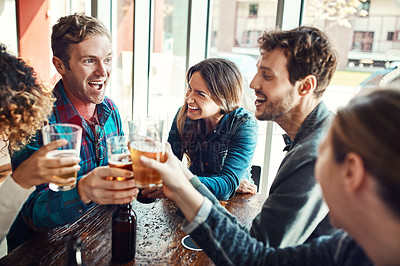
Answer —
24 102
369 126
74 29
308 52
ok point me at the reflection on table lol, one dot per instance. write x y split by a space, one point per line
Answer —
158 235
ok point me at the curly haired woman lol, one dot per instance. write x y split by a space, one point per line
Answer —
24 107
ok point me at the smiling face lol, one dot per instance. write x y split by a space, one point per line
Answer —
199 101
89 70
276 96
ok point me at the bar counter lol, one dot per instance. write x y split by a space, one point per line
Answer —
158 236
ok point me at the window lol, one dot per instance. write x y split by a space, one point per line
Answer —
168 58
234 37
253 10
363 8
390 36
118 18
362 41
371 37
9 32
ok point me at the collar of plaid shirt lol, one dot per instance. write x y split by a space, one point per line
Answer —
93 151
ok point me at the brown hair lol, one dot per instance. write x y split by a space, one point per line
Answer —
24 103
308 52
74 29
369 126
224 82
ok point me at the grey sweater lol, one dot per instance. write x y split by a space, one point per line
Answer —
295 211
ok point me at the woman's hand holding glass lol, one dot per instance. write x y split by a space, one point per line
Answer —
39 169
175 163
176 183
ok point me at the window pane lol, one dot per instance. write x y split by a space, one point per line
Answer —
235 27
168 57
120 90
8 33
363 33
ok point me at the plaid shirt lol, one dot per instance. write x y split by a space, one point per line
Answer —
46 209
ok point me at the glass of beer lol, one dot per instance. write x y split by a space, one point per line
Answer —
146 140
118 155
73 134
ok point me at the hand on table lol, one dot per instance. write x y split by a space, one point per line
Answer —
246 186
95 186
39 169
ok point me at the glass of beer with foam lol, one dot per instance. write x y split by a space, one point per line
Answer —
118 155
146 139
73 134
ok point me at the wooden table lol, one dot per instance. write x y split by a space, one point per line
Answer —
158 236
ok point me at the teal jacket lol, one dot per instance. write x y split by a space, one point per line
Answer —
224 158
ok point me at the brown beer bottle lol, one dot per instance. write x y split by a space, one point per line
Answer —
124 234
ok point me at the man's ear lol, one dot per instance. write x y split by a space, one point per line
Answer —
59 65
308 85
354 174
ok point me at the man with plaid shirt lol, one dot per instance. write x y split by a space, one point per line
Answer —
82 54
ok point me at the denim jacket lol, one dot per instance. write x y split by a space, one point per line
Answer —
227 242
225 156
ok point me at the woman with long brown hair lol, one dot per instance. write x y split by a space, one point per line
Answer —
217 136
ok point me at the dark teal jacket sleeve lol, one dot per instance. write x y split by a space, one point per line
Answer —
237 162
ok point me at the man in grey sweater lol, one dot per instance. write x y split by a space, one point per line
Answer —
294 69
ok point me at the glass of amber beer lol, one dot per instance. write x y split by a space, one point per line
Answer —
73 134
147 140
118 155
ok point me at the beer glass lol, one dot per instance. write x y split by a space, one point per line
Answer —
73 134
118 155
146 139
